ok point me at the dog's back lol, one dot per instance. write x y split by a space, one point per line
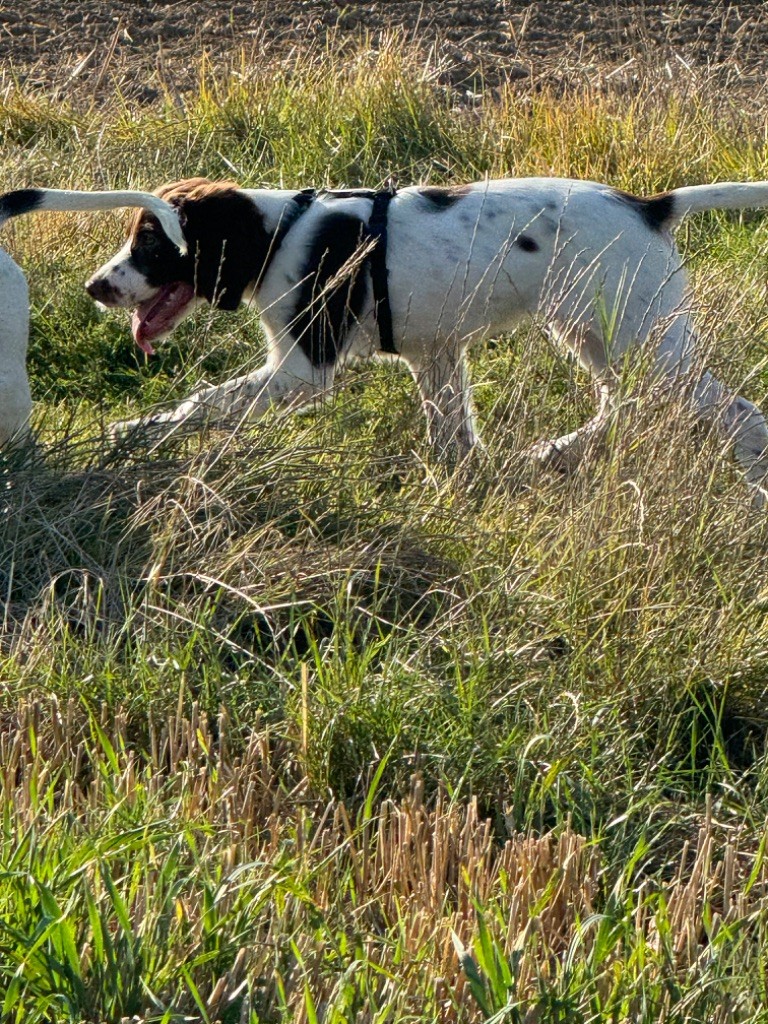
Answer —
499 251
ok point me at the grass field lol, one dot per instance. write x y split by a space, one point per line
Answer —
296 727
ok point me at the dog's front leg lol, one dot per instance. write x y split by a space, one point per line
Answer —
293 383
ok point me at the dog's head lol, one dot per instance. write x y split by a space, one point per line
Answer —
226 248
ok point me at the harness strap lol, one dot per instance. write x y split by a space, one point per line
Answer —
377 232
377 260
301 203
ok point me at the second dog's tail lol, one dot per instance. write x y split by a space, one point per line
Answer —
25 200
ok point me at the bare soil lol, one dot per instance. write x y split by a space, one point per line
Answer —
93 48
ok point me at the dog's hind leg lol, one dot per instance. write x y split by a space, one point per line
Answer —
565 454
744 428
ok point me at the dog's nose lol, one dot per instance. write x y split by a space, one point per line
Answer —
100 289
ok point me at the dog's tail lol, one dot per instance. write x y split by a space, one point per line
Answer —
672 207
24 200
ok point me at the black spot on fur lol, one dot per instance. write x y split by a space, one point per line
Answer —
527 244
330 298
12 204
654 210
442 198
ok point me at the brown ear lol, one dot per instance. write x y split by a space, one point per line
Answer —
225 234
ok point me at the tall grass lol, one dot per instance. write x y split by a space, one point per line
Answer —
297 727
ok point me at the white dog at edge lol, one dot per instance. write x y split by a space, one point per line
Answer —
418 274
15 397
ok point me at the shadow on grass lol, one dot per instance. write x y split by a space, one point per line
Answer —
270 550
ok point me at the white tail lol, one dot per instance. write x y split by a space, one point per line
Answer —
12 204
724 195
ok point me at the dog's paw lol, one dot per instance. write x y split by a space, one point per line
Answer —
553 457
151 430
143 431
121 430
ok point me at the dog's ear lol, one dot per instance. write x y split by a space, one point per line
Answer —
225 233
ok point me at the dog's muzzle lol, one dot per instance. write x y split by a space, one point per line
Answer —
102 290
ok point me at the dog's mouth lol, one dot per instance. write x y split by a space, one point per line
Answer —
160 314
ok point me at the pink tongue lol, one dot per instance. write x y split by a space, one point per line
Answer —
160 314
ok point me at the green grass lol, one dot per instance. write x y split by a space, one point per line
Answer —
294 726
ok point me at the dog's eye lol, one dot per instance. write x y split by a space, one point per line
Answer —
147 241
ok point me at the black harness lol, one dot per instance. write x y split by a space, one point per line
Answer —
375 233
377 260
301 202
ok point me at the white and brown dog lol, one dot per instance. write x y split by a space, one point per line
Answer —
422 274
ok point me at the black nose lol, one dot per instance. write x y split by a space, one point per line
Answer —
101 290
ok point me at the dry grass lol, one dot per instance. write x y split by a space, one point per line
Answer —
231 863
295 726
